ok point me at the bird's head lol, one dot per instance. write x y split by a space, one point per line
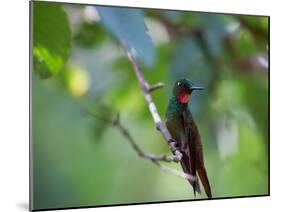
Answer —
183 89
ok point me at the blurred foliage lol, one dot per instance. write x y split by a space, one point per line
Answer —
79 161
128 26
89 34
52 38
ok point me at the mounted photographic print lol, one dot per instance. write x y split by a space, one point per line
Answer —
138 105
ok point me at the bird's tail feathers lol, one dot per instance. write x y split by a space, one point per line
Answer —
185 163
204 179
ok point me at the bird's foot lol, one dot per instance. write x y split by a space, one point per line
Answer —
175 149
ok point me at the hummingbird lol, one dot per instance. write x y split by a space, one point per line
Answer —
185 134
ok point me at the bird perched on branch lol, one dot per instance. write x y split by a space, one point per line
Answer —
185 134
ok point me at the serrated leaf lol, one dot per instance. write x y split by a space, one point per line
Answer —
127 25
51 38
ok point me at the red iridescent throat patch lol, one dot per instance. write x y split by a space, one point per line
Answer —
183 97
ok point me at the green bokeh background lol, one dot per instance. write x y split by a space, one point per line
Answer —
78 64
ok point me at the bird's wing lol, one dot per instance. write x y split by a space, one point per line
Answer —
200 167
191 146
175 127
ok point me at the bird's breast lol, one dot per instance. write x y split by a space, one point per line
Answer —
176 129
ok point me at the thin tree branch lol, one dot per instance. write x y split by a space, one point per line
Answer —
154 158
155 86
175 172
151 105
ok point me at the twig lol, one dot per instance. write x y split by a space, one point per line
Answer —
175 172
154 158
151 105
156 86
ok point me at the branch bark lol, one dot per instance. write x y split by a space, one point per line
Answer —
152 108
154 158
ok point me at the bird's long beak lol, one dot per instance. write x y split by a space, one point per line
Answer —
196 88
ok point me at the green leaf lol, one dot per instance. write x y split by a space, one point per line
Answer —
52 38
127 25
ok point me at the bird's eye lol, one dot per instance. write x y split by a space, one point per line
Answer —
179 84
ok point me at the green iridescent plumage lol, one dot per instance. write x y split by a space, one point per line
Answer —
184 132
175 108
